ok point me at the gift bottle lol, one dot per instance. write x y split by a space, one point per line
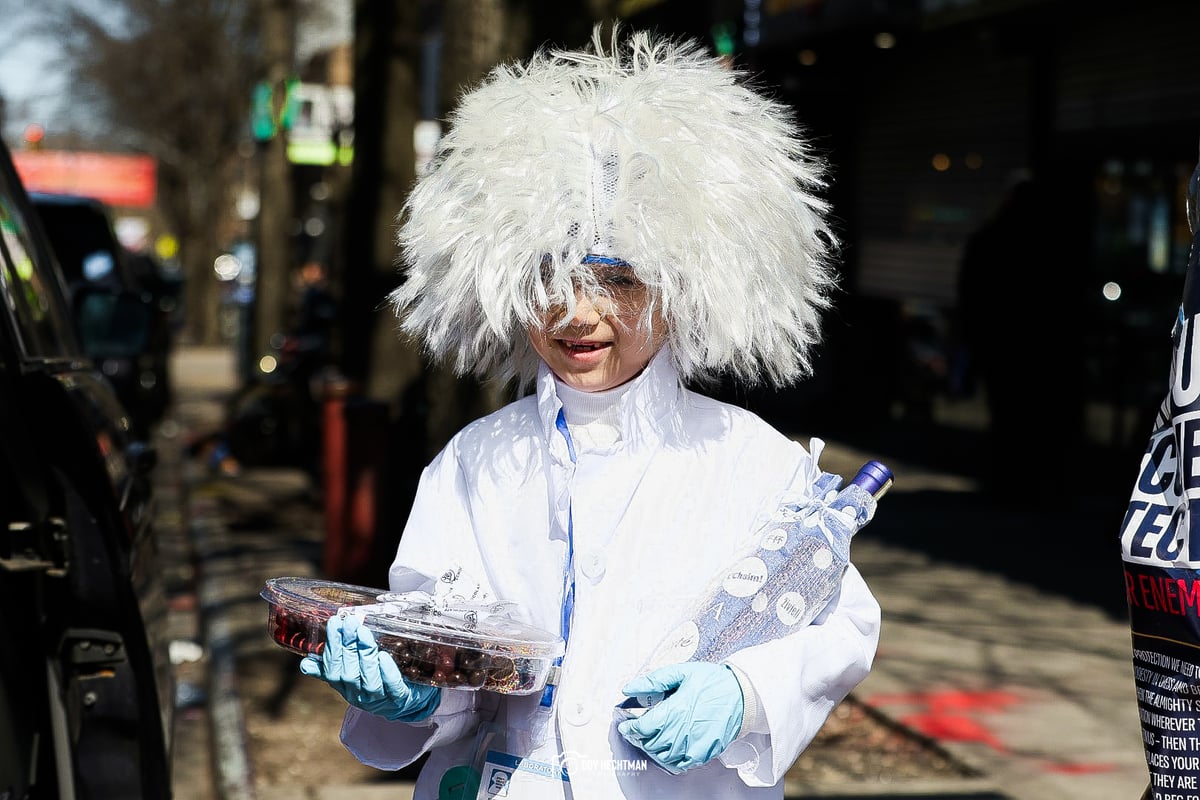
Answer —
789 577
803 557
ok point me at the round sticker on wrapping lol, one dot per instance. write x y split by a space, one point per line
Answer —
790 607
681 644
774 539
822 557
760 602
746 577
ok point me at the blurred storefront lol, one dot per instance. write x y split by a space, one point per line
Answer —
930 110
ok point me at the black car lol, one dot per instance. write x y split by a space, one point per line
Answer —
80 230
86 688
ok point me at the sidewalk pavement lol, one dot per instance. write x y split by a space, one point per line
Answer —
987 651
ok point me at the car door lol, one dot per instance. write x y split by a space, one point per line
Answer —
85 684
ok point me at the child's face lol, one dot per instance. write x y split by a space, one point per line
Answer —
602 345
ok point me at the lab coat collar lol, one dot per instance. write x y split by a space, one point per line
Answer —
647 409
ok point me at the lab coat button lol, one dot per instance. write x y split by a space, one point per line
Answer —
577 712
592 565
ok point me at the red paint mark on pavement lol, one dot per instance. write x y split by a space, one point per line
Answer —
1076 768
957 699
946 713
952 728
951 716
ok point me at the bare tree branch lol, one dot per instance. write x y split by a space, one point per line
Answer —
172 79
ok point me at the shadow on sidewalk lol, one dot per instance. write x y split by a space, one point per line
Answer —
1072 551
1068 545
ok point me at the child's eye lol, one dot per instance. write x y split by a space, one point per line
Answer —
620 280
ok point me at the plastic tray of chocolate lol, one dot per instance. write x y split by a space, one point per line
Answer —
452 648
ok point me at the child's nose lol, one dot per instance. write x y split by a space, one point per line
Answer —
589 310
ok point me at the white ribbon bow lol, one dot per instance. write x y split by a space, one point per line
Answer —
455 595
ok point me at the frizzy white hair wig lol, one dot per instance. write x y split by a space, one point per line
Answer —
648 150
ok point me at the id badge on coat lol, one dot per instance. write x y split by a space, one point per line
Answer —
502 755
504 773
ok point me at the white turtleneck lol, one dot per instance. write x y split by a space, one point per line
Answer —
594 418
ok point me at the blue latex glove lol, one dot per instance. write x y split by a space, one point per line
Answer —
368 679
699 718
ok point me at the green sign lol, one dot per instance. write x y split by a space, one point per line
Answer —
267 117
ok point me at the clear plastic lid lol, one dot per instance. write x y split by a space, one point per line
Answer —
434 642
388 613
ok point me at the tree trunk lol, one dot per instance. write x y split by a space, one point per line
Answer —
385 86
196 214
202 312
274 249
392 43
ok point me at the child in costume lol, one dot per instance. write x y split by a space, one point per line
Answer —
602 226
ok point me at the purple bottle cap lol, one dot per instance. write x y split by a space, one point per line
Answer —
874 477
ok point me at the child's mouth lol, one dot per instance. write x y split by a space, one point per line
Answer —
583 347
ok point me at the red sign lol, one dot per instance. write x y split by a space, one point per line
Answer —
120 180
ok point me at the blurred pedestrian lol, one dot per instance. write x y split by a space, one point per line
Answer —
313 325
276 419
603 226
1019 312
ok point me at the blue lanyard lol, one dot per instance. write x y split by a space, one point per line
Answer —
568 592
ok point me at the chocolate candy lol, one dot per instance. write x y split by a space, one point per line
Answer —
428 647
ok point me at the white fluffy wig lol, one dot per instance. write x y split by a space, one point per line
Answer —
650 151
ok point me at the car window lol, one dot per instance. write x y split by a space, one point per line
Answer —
31 289
82 236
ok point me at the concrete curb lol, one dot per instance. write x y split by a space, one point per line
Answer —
233 770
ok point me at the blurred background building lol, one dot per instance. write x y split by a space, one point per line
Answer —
931 112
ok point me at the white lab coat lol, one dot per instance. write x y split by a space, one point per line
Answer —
655 517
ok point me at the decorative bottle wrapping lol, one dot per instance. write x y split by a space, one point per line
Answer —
788 577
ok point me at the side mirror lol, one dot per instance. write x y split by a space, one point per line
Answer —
112 324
